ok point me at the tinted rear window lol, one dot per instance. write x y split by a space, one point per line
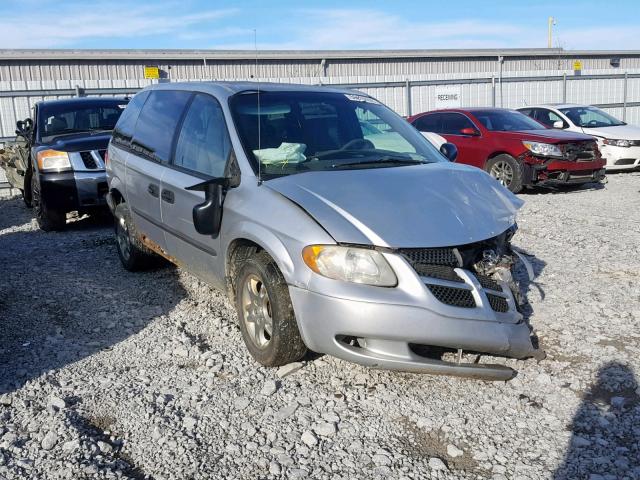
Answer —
428 123
77 117
157 123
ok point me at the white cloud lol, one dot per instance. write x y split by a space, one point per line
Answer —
69 25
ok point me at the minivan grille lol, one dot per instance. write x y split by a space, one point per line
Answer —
432 256
498 304
458 297
488 283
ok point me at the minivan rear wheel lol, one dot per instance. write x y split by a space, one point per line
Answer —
267 320
507 170
133 254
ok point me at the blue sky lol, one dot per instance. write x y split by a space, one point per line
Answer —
200 24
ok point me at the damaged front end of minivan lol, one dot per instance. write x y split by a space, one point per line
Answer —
450 304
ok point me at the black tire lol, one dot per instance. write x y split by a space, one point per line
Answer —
49 219
133 254
507 170
26 193
283 344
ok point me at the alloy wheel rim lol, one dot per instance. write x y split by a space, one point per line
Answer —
122 237
256 311
502 172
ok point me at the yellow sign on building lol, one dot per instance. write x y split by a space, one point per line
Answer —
152 72
577 65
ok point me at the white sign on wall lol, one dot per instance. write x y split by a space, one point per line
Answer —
448 96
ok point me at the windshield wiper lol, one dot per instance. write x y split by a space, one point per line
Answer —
383 160
337 154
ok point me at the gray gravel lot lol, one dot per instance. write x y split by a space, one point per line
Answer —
109 374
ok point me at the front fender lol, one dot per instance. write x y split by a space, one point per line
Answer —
266 239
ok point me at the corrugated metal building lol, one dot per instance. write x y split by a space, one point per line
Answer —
510 78
27 65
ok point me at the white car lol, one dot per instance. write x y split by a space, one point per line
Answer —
619 143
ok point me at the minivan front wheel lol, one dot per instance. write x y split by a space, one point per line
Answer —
267 320
507 170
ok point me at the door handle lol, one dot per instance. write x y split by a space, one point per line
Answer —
168 196
153 190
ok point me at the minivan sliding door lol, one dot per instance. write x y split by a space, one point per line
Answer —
146 164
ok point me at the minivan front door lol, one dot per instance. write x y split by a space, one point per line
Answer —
202 151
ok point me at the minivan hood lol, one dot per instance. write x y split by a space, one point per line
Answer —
619 132
433 205
550 135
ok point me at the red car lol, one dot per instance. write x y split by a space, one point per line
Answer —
515 149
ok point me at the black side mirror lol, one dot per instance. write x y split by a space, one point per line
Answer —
450 151
207 216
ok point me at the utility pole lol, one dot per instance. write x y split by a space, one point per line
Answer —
552 22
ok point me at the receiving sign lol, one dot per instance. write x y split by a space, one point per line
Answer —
152 72
448 96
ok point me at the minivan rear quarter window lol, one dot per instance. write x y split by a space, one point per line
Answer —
157 123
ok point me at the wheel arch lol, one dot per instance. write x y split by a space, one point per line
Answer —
496 154
251 239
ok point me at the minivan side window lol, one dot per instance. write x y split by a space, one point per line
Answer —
452 123
204 144
123 131
157 123
428 123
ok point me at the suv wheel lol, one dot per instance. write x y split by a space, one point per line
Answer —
133 254
49 219
507 170
26 193
267 321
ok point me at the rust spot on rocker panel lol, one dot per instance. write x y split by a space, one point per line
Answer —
155 248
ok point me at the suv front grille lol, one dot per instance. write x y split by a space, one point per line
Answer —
458 297
88 160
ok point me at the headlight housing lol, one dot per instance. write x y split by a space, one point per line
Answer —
542 149
53 161
616 143
350 264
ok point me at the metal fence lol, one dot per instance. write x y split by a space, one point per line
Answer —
619 94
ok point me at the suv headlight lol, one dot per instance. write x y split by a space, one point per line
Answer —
350 264
543 149
616 143
53 160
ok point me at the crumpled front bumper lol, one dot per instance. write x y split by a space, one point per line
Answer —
385 333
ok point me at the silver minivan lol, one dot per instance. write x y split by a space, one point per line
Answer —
331 222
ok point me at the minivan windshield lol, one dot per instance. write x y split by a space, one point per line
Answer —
293 132
590 117
74 117
506 121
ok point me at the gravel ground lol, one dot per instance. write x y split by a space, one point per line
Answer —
108 374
